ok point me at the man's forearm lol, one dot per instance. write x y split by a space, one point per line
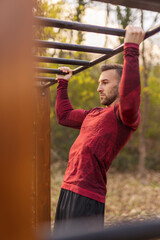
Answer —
63 105
130 88
65 113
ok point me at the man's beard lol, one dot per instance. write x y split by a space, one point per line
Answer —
108 100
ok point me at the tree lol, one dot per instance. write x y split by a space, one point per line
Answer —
78 16
44 9
147 66
124 17
79 13
145 73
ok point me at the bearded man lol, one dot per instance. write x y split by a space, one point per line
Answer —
103 133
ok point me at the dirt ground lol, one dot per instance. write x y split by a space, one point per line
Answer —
127 197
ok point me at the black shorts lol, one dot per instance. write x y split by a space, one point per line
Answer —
77 210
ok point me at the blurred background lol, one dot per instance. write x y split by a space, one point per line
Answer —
134 177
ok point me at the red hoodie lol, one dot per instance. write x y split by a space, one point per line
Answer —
103 131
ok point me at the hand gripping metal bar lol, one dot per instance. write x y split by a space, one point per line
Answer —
51 22
115 51
109 54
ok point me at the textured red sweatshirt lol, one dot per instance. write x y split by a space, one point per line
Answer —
103 131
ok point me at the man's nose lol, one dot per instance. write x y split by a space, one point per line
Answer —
99 89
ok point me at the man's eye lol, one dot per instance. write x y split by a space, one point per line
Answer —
105 82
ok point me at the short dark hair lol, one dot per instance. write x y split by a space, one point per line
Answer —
117 67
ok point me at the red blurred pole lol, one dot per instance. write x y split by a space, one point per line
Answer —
16 119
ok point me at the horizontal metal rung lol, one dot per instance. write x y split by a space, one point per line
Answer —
135 230
115 51
49 85
51 22
46 79
49 70
62 61
152 32
72 47
99 59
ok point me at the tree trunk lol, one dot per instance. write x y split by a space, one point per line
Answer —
106 23
142 144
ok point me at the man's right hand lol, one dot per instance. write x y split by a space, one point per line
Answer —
65 70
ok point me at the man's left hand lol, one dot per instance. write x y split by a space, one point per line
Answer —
134 35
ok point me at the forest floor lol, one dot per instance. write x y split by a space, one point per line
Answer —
127 197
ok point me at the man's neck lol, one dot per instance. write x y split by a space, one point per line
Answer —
113 103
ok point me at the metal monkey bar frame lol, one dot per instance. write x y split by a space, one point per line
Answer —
107 53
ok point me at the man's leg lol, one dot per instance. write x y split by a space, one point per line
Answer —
72 206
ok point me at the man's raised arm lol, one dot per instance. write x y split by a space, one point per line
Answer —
65 113
130 88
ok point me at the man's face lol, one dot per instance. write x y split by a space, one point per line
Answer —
108 87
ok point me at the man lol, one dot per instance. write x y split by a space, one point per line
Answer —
103 133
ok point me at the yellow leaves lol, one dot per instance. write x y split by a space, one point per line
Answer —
91 94
51 114
80 81
146 90
153 88
84 93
